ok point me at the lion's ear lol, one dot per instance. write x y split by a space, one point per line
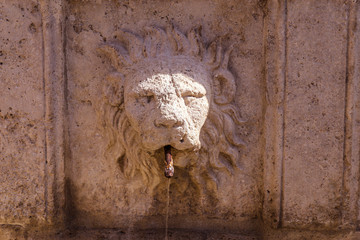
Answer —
224 87
114 89
117 54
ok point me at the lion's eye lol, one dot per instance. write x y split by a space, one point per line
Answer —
189 97
149 98
192 95
145 99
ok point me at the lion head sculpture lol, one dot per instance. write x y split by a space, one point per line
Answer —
170 89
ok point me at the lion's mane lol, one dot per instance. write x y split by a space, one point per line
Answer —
219 140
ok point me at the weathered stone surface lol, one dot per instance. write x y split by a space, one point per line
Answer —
22 132
314 113
265 140
295 234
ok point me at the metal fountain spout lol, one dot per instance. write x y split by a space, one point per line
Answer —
169 168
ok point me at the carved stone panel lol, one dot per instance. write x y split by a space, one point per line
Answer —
191 82
211 119
23 192
314 114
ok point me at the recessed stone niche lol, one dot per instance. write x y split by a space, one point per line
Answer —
185 73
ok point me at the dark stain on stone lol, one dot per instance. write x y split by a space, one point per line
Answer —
32 28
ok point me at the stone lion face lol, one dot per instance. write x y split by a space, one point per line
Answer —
170 88
167 102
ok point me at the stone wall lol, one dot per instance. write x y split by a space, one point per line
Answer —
288 168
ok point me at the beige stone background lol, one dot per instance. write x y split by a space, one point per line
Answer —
297 70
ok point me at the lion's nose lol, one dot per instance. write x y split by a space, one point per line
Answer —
171 113
169 121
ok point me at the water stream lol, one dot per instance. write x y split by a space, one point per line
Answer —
167 208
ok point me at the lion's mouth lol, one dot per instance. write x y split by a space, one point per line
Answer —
172 157
153 141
